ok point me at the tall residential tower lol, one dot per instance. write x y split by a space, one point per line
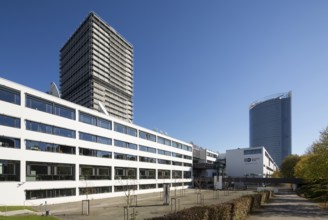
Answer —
96 66
270 125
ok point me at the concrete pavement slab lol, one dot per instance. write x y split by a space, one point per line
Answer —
289 206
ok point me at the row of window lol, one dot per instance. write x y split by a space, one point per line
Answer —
13 96
211 155
253 151
11 142
49 107
63 192
49 129
96 121
41 171
10 121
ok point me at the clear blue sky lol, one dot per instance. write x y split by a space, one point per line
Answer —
197 64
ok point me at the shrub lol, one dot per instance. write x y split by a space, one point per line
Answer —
220 211
238 209
241 208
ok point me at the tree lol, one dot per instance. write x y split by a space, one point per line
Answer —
276 174
288 165
313 165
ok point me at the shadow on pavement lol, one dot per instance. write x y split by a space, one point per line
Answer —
289 206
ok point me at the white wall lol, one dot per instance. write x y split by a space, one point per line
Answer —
239 165
13 193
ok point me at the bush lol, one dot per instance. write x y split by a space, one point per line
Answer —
220 211
238 209
241 208
316 189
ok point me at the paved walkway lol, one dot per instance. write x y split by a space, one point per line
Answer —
289 207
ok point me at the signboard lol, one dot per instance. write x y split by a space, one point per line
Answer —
251 160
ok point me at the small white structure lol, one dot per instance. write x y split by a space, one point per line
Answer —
249 162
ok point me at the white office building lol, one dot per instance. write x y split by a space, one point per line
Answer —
249 162
57 151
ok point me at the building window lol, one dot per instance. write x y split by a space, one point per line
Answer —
9 95
125 129
10 142
187 164
125 157
176 155
9 170
176 145
49 107
95 190
164 152
211 155
253 151
147 159
125 173
187 148
187 157
176 174
95 138
176 184
164 174
94 153
160 161
163 141
49 129
64 111
124 144
147 149
9 121
161 185
147 136
189 184
176 163
187 174
49 147
96 121
91 172
125 188
49 193
147 174
39 171
147 186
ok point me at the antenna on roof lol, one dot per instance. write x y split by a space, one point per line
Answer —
54 90
102 108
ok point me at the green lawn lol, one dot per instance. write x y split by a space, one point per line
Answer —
13 208
28 217
22 217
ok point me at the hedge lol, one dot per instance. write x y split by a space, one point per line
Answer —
237 209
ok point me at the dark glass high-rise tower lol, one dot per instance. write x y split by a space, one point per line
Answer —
96 66
270 125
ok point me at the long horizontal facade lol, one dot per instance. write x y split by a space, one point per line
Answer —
57 151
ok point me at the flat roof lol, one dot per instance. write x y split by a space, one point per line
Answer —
282 95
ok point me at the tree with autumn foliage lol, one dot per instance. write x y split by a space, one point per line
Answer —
313 165
287 166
